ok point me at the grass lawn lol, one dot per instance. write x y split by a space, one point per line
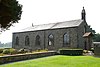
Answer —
58 61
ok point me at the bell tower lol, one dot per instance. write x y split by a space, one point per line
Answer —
83 14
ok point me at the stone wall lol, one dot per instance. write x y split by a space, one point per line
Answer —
82 29
32 39
97 49
80 36
13 58
58 39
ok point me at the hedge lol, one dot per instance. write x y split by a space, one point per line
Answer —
6 51
1 50
72 52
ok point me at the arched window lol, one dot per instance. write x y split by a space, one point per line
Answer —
37 41
51 40
66 39
17 41
27 41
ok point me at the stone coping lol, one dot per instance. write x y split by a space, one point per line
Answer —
20 57
26 54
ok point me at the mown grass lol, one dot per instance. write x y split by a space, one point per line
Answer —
58 61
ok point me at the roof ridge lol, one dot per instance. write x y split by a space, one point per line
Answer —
64 24
57 22
54 25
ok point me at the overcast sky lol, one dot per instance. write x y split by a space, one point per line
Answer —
51 11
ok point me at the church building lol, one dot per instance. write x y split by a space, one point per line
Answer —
54 36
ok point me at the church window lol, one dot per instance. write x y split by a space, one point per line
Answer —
27 41
17 41
51 40
66 39
37 42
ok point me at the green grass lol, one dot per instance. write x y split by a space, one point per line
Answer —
58 61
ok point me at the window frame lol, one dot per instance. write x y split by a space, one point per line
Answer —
37 40
27 41
17 40
67 40
51 40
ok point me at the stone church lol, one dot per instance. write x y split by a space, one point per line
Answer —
53 36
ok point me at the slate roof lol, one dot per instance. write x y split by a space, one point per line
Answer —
87 34
65 24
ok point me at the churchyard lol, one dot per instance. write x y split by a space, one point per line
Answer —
45 58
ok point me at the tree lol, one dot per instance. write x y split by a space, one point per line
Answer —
10 12
91 30
96 37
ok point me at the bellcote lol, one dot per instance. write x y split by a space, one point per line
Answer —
83 14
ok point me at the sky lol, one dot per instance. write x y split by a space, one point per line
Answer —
52 11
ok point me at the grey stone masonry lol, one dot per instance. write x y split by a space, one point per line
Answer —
75 32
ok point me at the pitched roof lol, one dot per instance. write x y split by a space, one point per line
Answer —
65 24
87 34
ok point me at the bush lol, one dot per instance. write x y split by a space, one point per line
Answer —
2 54
23 50
9 51
13 51
26 50
72 52
1 50
92 49
6 51
85 51
39 50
